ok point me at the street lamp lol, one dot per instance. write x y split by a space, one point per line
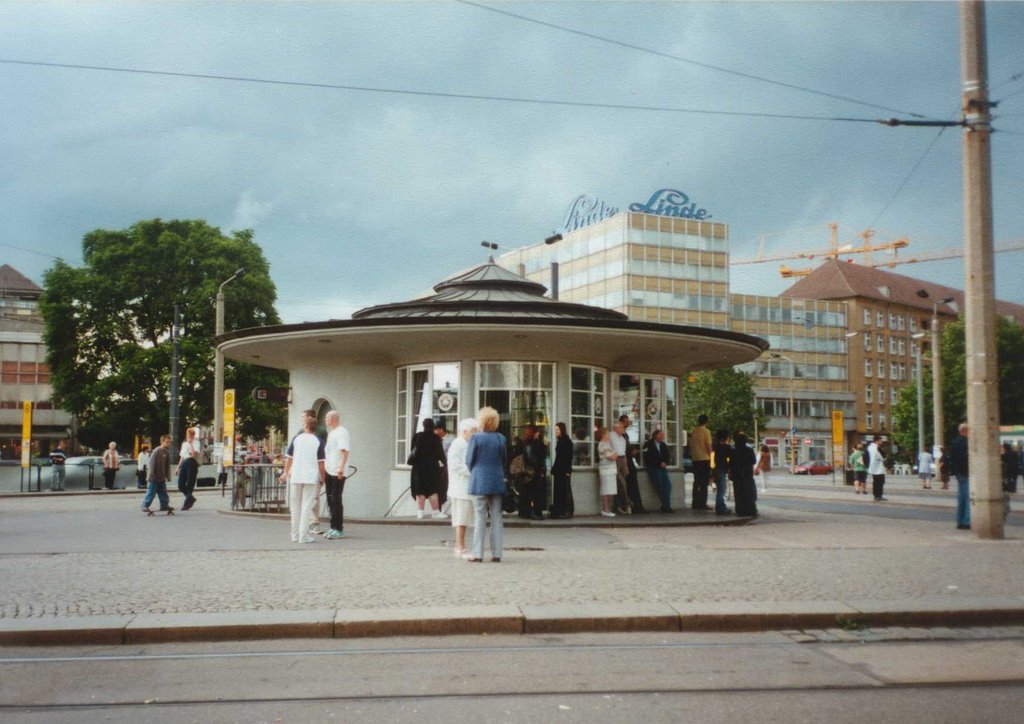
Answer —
938 424
792 411
218 360
920 393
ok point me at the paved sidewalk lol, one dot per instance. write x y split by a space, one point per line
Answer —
91 567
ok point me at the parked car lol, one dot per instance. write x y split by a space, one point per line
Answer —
813 467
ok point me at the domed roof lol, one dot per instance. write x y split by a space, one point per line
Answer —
488 290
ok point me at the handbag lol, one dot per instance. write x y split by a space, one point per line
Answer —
412 457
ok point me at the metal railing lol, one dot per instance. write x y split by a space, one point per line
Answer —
256 488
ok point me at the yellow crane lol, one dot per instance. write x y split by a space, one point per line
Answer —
834 251
953 253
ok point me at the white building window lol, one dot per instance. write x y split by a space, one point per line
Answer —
903 371
880 320
652 403
867 341
893 371
881 368
913 324
869 420
892 320
867 368
880 344
588 396
867 393
430 390
881 394
892 345
867 316
901 322
881 420
523 393
902 347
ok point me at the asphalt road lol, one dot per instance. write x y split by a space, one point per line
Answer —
867 507
583 678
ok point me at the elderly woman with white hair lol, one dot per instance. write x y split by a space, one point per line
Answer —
458 484
485 458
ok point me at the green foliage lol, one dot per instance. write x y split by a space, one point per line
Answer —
108 327
726 396
1010 354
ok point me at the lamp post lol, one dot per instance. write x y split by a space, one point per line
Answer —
792 410
920 393
218 361
938 423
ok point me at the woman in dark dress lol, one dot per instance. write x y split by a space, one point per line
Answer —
427 460
741 467
561 470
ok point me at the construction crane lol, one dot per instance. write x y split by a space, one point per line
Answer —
834 251
954 253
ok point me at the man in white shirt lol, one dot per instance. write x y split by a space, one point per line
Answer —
876 466
188 467
303 471
619 444
925 469
336 460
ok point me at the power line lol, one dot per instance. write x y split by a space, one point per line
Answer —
459 96
908 177
30 251
691 61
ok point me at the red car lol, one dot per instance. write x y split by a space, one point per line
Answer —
813 468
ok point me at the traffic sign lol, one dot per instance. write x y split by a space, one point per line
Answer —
271 394
807 441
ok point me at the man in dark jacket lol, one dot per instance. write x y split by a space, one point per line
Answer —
159 474
958 466
656 461
533 494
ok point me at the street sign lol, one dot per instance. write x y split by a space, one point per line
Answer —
26 433
228 449
838 447
271 394
807 441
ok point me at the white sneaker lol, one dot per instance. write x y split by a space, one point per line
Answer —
607 514
438 515
419 515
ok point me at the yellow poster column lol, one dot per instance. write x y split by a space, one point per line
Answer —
26 433
838 443
229 428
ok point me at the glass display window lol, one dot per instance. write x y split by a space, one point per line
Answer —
429 390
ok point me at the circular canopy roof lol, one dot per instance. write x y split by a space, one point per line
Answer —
491 313
488 290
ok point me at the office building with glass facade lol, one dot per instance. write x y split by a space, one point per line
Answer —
651 268
487 337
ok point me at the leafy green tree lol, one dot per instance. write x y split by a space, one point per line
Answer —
1010 354
726 396
108 327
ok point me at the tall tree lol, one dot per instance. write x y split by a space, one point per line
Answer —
726 396
108 327
1010 352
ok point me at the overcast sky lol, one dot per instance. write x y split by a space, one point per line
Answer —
365 197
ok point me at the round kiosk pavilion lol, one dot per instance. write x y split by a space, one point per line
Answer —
487 337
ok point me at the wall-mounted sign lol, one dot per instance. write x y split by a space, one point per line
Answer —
445 402
669 202
586 210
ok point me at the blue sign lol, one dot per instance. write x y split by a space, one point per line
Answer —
586 210
669 202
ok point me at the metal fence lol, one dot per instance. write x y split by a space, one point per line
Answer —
256 488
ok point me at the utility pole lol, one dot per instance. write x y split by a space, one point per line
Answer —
218 360
175 382
980 313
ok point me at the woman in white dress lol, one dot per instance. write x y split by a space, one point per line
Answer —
606 470
458 484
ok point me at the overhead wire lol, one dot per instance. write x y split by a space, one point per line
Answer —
441 94
690 61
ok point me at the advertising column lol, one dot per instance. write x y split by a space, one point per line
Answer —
229 428
838 446
26 433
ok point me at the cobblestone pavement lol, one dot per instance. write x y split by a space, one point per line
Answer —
96 554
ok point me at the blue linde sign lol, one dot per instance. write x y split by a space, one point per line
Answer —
586 210
669 202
